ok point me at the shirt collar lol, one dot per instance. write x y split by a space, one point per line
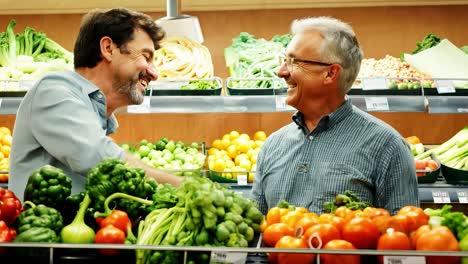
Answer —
326 121
87 86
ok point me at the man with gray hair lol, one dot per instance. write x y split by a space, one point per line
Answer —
330 146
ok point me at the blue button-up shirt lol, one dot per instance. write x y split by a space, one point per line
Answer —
348 150
61 121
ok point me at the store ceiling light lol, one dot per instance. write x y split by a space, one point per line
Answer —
177 25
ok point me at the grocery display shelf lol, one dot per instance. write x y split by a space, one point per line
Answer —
274 103
88 253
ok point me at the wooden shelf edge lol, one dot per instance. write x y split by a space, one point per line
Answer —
70 7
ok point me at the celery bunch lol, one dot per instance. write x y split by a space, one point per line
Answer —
453 152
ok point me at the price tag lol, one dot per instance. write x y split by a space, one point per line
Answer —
462 110
404 260
441 197
445 86
281 104
1 102
242 179
374 84
462 197
143 108
228 257
377 104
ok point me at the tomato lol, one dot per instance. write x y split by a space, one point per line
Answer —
362 232
263 225
337 221
439 238
393 240
417 233
416 216
274 214
339 244
420 165
432 164
342 211
307 220
292 217
293 258
274 232
324 231
373 212
352 214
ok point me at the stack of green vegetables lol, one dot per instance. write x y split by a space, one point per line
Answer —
250 58
30 54
452 153
206 214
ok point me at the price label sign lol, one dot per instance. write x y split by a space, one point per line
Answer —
242 178
377 104
462 110
462 196
1 102
281 104
374 84
404 260
143 108
218 257
441 197
445 86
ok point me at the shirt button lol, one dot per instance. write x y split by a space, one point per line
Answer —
311 137
99 96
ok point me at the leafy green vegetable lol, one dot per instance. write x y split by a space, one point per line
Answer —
348 199
429 41
200 85
464 49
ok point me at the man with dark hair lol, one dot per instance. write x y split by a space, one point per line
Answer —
66 117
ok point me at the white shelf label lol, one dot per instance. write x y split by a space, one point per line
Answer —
241 178
1 102
441 197
462 196
462 110
377 103
374 84
281 104
445 86
143 108
228 257
404 260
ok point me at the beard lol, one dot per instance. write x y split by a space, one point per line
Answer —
128 87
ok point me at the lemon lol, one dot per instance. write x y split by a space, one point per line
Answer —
234 134
245 164
260 135
225 142
244 136
219 165
232 151
240 157
217 144
243 145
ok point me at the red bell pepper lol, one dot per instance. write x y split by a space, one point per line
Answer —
10 206
6 234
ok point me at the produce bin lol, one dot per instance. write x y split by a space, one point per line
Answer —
175 87
248 86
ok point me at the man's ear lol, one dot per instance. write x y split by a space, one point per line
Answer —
333 73
107 48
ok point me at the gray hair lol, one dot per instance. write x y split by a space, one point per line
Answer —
339 46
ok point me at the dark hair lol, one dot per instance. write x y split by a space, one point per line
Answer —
118 24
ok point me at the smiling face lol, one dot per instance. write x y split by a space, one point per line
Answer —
305 80
134 67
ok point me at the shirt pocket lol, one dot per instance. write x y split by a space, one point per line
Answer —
332 179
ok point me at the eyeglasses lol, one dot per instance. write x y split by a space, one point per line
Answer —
283 58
